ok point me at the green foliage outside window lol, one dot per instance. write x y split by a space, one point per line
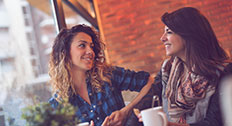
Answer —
43 114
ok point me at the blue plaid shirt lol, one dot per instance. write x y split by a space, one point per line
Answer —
104 103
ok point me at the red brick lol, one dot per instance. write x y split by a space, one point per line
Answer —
132 28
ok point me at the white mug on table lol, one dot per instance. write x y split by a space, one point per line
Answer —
154 117
83 124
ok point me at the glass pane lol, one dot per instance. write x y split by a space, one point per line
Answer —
26 34
73 18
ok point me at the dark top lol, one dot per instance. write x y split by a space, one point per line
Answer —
213 114
108 101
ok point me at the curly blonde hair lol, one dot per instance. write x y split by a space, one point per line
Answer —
60 64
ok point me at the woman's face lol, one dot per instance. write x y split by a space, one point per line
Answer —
174 44
81 52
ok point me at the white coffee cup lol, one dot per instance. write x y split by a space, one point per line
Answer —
154 117
83 124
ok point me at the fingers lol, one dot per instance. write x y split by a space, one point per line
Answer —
112 116
113 119
106 121
138 114
140 118
91 123
109 122
136 111
116 118
116 123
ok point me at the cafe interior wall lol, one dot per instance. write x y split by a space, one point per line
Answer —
132 29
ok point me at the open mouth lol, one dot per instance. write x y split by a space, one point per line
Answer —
89 59
167 44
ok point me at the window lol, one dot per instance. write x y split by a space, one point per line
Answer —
6 66
29 36
24 10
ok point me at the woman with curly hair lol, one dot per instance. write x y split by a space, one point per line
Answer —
188 81
79 72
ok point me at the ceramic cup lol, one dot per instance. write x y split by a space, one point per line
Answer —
154 117
83 124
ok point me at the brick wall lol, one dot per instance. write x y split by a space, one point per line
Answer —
132 28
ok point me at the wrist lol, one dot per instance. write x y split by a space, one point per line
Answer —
125 110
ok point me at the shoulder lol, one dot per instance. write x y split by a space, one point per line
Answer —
118 70
125 72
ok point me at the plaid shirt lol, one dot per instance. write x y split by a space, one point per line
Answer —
104 103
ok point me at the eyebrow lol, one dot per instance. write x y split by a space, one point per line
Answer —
84 41
91 43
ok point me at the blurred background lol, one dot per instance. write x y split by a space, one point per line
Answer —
130 29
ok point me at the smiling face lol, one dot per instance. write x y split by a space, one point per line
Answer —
174 44
81 52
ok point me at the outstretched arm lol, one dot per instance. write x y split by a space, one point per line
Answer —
117 118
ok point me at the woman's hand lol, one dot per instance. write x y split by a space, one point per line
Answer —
117 118
138 114
140 117
91 123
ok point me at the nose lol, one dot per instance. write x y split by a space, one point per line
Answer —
89 50
163 38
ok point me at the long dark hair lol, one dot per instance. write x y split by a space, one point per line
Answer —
204 55
60 64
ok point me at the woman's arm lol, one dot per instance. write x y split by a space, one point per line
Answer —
141 94
117 118
147 98
146 101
